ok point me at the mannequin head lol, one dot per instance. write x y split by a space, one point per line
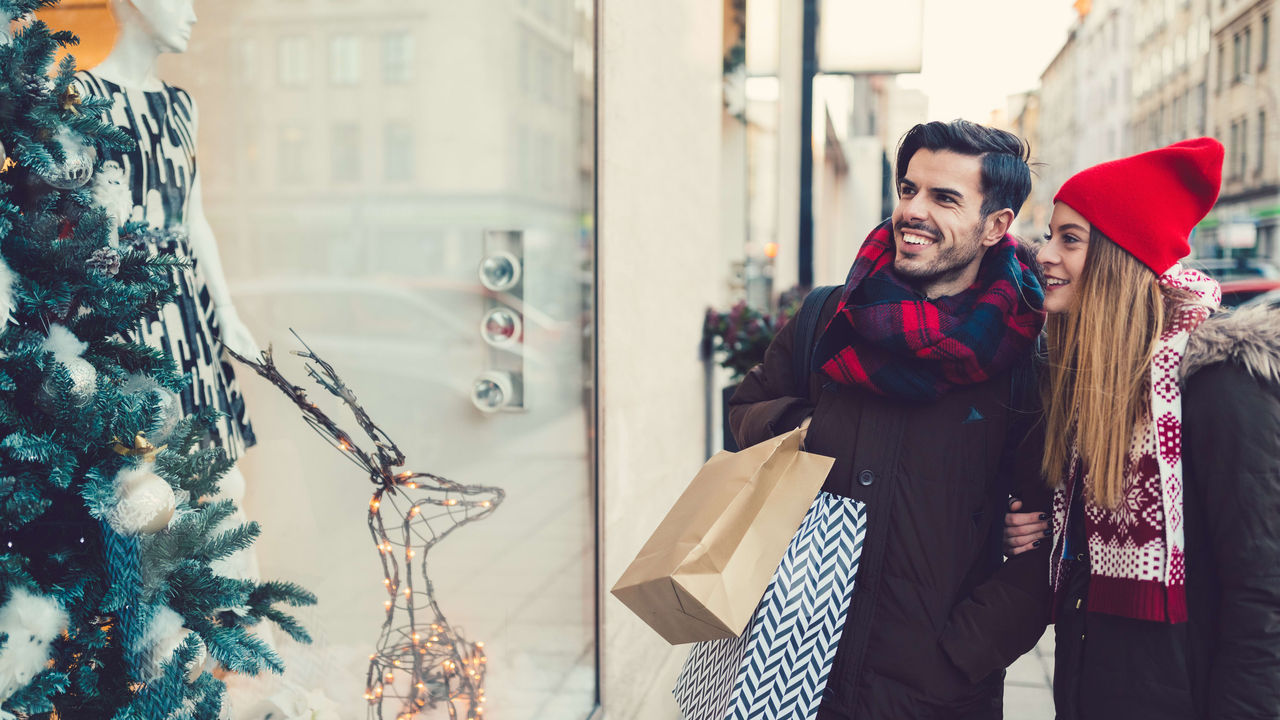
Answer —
167 22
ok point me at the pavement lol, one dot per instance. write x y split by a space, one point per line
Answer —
1028 685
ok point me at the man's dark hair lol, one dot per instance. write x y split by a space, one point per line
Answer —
1006 178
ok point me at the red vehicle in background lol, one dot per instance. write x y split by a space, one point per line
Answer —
1238 292
1242 279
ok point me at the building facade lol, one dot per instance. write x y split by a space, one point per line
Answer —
1245 116
1172 50
1054 140
1103 62
1022 118
1147 73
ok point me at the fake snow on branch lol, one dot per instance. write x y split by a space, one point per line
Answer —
420 661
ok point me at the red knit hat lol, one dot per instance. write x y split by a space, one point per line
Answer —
1148 203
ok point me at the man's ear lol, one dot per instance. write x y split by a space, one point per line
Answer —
998 223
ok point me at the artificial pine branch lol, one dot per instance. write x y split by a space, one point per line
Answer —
228 543
25 447
20 8
238 650
270 593
34 698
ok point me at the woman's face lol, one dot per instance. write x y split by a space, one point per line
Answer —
168 21
1062 257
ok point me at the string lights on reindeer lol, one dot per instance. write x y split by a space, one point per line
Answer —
421 662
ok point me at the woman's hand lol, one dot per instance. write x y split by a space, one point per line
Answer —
1024 531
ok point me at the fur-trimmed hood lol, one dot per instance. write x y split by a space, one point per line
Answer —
1250 337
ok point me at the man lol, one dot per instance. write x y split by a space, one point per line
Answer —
917 368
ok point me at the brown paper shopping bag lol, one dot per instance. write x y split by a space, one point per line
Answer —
704 570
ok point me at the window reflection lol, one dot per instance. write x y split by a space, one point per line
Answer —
344 59
292 61
353 158
397 58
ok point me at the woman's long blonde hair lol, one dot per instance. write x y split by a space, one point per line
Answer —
1097 387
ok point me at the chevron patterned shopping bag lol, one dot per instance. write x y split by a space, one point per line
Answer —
778 667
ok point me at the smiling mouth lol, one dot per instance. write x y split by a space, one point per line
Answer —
910 237
1051 282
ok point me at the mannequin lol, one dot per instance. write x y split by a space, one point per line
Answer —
158 184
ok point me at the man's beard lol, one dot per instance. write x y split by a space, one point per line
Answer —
949 262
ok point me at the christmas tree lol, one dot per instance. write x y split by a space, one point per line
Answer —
109 606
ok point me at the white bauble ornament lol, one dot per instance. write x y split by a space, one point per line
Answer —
165 634
169 405
294 702
6 283
84 380
144 502
6 37
32 622
78 166
111 190
63 343
66 349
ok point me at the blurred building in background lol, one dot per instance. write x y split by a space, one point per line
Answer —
1135 75
1022 118
1053 148
1103 56
1245 115
1170 71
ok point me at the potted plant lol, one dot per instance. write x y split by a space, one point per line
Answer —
737 339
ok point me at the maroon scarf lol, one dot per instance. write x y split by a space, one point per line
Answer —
1137 563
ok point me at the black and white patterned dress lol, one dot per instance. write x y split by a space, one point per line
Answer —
160 173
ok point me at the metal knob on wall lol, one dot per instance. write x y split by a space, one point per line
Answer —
493 390
500 386
500 271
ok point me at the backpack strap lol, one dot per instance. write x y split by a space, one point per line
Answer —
806 328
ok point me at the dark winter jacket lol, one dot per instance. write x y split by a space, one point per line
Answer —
935 615
1225 661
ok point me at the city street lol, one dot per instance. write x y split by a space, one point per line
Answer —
1028 686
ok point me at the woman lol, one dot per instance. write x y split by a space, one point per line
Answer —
1163 446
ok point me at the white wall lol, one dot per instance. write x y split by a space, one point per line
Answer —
790 71
661 264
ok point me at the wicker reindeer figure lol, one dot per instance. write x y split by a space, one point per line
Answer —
420 661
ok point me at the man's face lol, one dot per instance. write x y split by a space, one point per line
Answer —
938 230
169 22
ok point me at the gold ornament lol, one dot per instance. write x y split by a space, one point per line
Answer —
141 448
70 100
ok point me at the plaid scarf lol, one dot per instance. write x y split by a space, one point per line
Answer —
887 338
1136 551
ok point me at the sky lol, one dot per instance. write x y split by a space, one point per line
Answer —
978 52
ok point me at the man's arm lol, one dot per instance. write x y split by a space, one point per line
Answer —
1004 617
767 404
1231 460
